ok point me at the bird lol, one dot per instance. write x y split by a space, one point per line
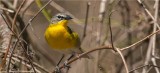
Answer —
60 36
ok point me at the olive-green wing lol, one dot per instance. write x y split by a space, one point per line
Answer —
74 35
69 30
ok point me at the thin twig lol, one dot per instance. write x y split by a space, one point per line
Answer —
148 55
154 36
15 16
5 9
86 20
5 56
13 23
6 53
15 4
34 63
7 17
143 67
138 42
7 37
123 59
108 47
18 71
126 19
148 12
149 69
22 32
16 37
44 11
109 23
13 33
26 7
155 64
116 49
26 62
85 53
28 57
8 24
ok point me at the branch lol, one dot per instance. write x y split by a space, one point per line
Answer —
6 36
25 62
116 49
22 33
85 53
138 42
148 12
44 11
5 9
143 67
15 16
108 47
86 21
154 36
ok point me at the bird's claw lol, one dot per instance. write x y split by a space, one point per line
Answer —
57 70
66 65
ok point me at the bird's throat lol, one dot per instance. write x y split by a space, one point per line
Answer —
63 22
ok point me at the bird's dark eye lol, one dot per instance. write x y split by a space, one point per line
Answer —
59 16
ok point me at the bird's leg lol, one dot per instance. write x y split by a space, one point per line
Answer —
72 55
57 70
66 62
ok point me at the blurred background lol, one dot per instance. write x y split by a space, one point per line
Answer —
130 22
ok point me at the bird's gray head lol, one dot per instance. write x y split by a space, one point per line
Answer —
60 16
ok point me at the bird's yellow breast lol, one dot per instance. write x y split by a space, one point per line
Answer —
58 37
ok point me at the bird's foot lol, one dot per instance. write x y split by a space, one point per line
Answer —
66 65
57 70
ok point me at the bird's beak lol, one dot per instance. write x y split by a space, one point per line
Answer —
68 17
